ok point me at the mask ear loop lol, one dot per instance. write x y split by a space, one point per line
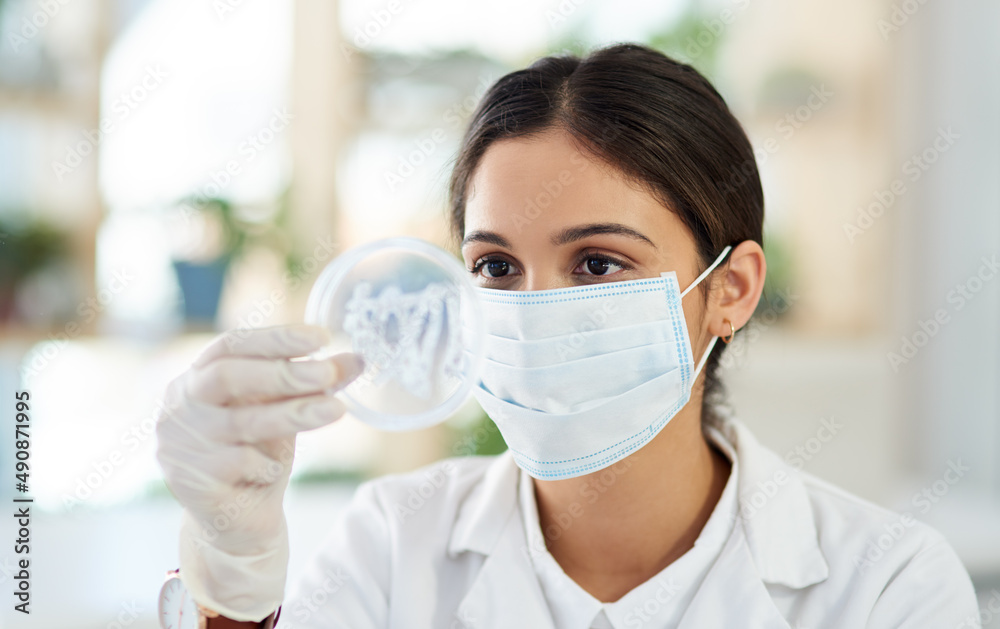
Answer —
704 274
704 357
711 344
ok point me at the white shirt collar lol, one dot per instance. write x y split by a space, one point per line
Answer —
658 602
774 506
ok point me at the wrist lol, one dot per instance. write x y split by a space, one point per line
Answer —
179 610
209 619
240 587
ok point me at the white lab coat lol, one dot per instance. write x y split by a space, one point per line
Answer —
444 547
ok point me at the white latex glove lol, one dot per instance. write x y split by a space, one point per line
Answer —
226 439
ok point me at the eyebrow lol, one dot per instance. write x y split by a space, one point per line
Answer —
491 238
594 229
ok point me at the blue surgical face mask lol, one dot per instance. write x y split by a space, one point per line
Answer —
578 378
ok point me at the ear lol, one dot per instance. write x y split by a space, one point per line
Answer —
735 293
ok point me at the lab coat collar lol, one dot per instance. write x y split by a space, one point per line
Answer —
505 592
733 594
489 523
484 514
775 512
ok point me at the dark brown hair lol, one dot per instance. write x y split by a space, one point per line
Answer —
656 120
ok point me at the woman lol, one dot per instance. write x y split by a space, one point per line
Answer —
627 498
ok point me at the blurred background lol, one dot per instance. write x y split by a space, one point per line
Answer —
172 169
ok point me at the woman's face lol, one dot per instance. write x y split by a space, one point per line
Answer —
541 214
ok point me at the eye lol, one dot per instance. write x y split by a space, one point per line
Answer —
493 268
600 265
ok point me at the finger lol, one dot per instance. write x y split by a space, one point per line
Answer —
279 449
284 341
231 381
258 423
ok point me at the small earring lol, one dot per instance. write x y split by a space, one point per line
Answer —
732 332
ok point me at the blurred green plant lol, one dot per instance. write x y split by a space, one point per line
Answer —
693 38
479 438
323 477
27 245
778 281
242 230
222 211
210 233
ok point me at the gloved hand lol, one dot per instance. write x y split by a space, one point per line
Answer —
226 440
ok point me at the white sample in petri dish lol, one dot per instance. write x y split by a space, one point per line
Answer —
411 311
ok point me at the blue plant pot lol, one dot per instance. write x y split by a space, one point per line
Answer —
201 287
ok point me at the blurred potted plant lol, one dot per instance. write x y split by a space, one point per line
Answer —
208 235
27 245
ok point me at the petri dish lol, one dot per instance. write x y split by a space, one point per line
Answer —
411 311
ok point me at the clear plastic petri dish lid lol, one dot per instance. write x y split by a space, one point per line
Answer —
411 311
